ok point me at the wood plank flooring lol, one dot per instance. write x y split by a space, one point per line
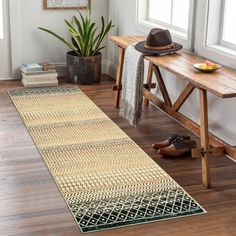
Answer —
31 205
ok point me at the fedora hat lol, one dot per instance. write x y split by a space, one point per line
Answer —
158 42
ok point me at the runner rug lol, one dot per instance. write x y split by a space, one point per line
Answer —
106 180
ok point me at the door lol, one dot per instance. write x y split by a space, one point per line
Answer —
5 52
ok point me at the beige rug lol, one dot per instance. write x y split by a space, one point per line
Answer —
106 180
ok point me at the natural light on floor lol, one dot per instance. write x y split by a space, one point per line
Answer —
168 12
1 21
229 30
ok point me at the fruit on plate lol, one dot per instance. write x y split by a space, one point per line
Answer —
202 66
207 65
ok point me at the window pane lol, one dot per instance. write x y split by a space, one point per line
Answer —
180 13
1 21
229 30
160 10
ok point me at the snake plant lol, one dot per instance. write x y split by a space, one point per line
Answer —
85 38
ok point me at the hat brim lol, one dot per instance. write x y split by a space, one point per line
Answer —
140 47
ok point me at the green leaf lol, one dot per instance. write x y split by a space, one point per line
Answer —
92 43
71 27
80 42
98 50
75 43
103 33
58 37
83 25
87 40
72 32
80 30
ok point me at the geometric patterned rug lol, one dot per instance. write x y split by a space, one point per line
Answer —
106 180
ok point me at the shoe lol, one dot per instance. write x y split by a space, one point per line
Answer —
169 141
179 147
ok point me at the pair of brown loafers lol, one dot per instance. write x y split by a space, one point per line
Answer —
175 145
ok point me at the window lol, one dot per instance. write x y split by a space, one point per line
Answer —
205 27
215 34
174 14
1 21
228 31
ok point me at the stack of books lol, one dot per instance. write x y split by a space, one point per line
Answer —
38 75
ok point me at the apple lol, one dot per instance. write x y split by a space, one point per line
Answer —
203 66
208 63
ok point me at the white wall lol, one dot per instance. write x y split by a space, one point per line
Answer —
222 114
28 44
32 45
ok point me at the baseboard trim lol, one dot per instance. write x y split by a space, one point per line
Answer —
108 68
61 67
111 69
219 131
5 78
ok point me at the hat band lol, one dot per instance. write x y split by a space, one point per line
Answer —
160 48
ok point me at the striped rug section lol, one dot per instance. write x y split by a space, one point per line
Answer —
106 180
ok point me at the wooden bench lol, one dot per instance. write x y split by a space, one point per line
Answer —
221 83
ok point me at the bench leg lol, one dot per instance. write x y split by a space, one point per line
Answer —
149 82
206 176
119 76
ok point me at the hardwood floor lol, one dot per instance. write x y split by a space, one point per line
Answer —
31 205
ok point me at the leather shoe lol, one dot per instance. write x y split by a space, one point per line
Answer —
169 141
178 148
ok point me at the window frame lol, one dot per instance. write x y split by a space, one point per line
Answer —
221 41
206 40
1 21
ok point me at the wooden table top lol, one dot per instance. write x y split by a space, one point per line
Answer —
221 82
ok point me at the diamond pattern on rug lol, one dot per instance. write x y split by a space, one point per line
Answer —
133 210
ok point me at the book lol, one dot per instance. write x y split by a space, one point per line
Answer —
39 83
31 67
38 72
39 77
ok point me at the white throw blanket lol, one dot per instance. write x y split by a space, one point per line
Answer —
132 86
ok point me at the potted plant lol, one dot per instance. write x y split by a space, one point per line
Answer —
84 59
